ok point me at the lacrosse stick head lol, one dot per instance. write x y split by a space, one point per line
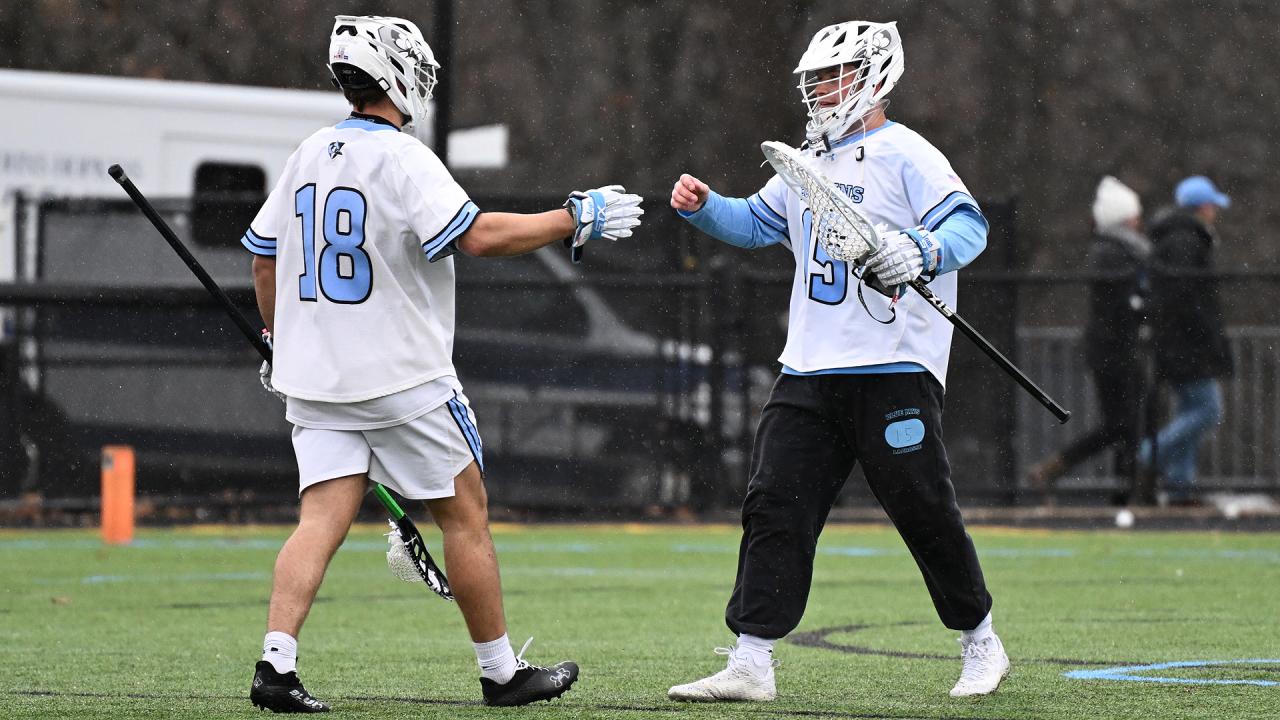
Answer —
409 560
838 226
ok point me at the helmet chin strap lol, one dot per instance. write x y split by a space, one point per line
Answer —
857 126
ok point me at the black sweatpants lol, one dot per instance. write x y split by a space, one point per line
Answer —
812 431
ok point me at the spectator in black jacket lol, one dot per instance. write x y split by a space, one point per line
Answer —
1118 256
1191 347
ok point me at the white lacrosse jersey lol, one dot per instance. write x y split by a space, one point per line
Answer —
362 224
898 180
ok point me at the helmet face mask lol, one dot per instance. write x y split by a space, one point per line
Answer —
829 91
394 54
846 73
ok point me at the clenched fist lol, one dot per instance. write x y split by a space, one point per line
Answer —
689 194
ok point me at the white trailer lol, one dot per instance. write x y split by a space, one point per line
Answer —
62 131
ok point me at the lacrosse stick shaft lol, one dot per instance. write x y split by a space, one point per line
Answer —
388 502
117 174
1005 364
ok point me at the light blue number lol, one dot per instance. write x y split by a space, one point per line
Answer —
821 290
343 239
304 206
344 217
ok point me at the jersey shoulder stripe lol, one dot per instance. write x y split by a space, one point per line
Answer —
258 245
766 214
454 229
934 217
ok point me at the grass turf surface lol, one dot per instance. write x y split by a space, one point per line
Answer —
171 626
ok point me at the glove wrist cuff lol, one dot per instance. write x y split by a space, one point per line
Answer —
930 250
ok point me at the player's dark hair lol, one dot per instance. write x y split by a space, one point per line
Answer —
357 86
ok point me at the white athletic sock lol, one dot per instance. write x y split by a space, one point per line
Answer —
497 660
981 632
757 652
281 650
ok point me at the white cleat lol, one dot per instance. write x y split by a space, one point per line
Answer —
985 665
737 682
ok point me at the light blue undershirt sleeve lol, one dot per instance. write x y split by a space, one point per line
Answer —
733 221
963 236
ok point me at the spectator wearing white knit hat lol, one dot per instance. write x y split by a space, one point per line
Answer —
1118 258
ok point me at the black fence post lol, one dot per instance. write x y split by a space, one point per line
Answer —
725 341
9 396
442 45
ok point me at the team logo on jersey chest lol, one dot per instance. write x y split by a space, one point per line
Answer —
335 149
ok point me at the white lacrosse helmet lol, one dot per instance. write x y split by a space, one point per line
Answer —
393 53
869 58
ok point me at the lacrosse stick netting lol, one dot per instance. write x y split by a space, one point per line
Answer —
844 232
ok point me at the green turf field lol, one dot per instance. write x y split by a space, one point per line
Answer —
172 625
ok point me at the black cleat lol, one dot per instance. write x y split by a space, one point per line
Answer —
283 693
531 684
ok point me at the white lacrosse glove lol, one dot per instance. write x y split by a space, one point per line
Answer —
904 256
264 372
607 211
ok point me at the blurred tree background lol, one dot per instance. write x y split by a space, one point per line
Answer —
1030 99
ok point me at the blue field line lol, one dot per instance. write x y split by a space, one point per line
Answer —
519 546
1270 556
262 544
561 571
607 572
540 547
855 551
134 578
1129 673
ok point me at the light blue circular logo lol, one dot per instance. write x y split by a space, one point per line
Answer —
904 433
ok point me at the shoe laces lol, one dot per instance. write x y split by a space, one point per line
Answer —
977 657
521 663
738 665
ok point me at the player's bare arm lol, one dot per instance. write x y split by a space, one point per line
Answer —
264 287
689 194
498 234
607 212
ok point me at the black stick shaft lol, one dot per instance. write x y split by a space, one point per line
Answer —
117 173
1005 364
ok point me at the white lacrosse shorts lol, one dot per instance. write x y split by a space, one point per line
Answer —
418 459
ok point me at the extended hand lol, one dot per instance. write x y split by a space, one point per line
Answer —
607 211
689 194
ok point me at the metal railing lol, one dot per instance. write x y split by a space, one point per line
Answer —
1243 453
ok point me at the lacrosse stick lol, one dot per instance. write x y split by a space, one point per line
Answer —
408 557
413 549
849 236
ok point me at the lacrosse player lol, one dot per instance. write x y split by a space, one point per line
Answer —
355 281
862 376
